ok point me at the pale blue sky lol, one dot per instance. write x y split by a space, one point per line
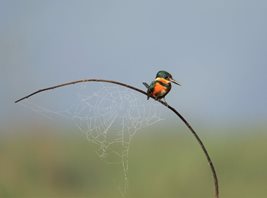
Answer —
217 50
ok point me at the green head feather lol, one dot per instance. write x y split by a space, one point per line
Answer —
164 74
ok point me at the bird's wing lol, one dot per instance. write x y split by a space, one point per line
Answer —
150 88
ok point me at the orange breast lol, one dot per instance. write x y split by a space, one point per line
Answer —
159 90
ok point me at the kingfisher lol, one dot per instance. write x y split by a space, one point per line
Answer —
161 86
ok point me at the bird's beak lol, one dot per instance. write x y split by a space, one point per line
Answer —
174 81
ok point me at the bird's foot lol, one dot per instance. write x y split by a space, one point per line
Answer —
163 101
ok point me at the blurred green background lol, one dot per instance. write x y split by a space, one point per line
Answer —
215 49
48 162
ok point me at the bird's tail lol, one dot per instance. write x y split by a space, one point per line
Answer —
147 86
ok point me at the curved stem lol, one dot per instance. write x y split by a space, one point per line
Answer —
215 178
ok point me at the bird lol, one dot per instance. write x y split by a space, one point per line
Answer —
161 86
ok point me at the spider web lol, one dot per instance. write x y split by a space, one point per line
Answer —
108 115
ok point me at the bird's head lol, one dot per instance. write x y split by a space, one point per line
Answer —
167 76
